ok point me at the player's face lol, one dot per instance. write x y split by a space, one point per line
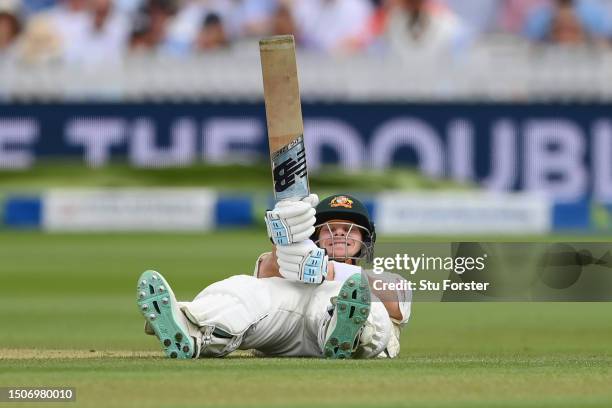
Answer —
341 239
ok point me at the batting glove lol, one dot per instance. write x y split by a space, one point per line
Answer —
292 221
303 261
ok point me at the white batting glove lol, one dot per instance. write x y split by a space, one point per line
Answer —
303 261
292 221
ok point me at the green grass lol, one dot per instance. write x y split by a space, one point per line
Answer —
69 319
247 178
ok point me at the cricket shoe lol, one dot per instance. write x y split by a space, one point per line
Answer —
179 338
350 313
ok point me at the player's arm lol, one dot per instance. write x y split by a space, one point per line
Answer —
397 301
390 301
268 266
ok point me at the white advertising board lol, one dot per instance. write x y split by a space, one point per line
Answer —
447 213
128 209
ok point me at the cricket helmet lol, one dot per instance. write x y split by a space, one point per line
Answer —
347 207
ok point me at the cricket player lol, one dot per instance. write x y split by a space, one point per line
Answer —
307 297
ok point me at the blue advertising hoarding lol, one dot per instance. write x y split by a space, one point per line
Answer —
563 150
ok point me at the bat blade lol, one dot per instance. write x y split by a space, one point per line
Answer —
284 117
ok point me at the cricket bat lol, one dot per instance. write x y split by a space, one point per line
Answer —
284 117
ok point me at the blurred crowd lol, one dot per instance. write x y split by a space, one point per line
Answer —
104 31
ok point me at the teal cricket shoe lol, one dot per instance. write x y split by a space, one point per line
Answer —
352 308
156 301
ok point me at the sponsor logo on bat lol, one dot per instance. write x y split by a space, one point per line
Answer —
293 166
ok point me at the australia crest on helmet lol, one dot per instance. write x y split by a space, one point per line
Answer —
341 201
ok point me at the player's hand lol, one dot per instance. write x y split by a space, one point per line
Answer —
303 261
292 221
